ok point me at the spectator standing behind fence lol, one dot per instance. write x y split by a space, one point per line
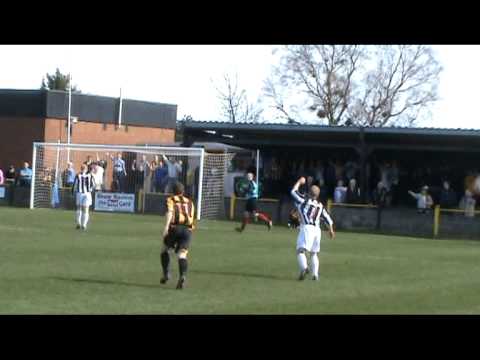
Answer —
350 170
424 200
25 175
353 193
469 180
340 193
89 163
468 203
141 170
318 173
153 168
148 170
339 171
119 173
161 175
174 169
395 182
385 176
379 199
102 162
448 198
69 175
97 173
11 175
379 195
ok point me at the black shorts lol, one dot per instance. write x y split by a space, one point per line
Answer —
251 205
179 237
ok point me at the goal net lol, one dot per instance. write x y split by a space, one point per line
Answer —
213 194
129 178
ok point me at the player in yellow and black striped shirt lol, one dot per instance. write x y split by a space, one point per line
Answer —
177 233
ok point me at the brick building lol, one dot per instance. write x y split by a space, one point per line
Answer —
27 116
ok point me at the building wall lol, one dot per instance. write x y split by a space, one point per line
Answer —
17 135
16 139
95 133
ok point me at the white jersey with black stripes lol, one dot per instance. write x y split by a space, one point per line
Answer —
311 211
84 183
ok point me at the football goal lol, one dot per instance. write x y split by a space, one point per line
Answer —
129 178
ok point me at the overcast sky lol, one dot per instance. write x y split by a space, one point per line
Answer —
183 75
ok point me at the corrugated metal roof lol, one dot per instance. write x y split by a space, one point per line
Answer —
312 127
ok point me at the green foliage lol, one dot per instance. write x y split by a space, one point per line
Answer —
57 81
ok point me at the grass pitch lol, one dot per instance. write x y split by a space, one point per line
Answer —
48 267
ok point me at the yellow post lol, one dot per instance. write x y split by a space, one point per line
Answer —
436 220
329 205
232 206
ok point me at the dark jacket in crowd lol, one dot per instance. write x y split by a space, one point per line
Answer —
10 174
448 198
353 197
330 177
379 197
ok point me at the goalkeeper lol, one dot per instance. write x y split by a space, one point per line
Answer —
251 206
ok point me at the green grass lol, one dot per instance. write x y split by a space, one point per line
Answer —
48 267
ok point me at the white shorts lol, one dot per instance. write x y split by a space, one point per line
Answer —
309 238
84 199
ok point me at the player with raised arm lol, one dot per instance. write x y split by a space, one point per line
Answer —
311 212
174 169
83 186
177 233
251 205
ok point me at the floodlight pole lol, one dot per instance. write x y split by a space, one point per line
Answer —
69 120
120 109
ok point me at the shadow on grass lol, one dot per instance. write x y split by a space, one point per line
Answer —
228 273
111 282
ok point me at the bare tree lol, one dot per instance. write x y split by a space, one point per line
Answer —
271 91
402 85
324 73
252 111
234 103
359 85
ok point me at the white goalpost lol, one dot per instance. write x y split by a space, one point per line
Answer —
150 172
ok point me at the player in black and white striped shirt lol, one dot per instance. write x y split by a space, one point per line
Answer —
311 212
83 186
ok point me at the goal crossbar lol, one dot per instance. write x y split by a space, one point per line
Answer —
133 148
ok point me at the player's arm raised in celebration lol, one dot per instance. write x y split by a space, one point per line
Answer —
326 216
295 194
165 159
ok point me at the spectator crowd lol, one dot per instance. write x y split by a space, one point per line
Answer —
388 184
21 177
157 175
